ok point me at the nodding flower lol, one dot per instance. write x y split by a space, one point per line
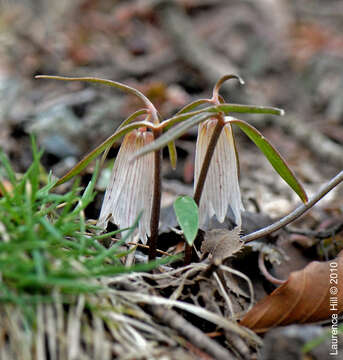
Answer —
131 186
221 192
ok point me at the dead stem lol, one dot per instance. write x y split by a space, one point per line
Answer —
300 210
172 319
264 271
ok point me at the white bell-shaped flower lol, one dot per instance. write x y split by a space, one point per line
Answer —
131 186
221 192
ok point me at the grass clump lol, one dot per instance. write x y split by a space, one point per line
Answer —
55 301
46 244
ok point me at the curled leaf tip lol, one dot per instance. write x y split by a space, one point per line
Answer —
46 76
221 81
230 76
241 81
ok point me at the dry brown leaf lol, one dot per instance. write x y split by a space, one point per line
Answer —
312 294
7 186
222 243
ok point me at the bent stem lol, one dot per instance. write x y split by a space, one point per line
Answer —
156 202
300 210
118 85
265 273
216 97
203 174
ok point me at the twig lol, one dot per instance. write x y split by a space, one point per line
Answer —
265 272
147 247
190 332
300 210
222 286
320 235
172 319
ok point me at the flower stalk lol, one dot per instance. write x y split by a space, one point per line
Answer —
207 160
156 201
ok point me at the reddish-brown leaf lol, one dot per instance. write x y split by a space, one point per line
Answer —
308 295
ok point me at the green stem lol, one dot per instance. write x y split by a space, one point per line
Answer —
156 202
118 85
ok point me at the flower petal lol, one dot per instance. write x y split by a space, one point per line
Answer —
221 191
131 186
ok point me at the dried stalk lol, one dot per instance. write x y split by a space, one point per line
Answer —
300 210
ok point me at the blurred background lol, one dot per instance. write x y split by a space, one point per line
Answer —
290 53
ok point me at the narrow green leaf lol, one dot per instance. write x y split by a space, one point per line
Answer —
251 109
9 171
222 108
172 154
274 157
171 135
182 117
98 150
132 117
193 105
187 215
118 85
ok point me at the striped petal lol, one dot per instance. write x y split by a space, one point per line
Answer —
221 191
130 189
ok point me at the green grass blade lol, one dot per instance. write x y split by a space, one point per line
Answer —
9 171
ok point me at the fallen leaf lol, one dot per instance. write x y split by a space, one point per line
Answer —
312 294
6 186
222 243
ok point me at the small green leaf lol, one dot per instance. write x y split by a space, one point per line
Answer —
274 157
187 215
